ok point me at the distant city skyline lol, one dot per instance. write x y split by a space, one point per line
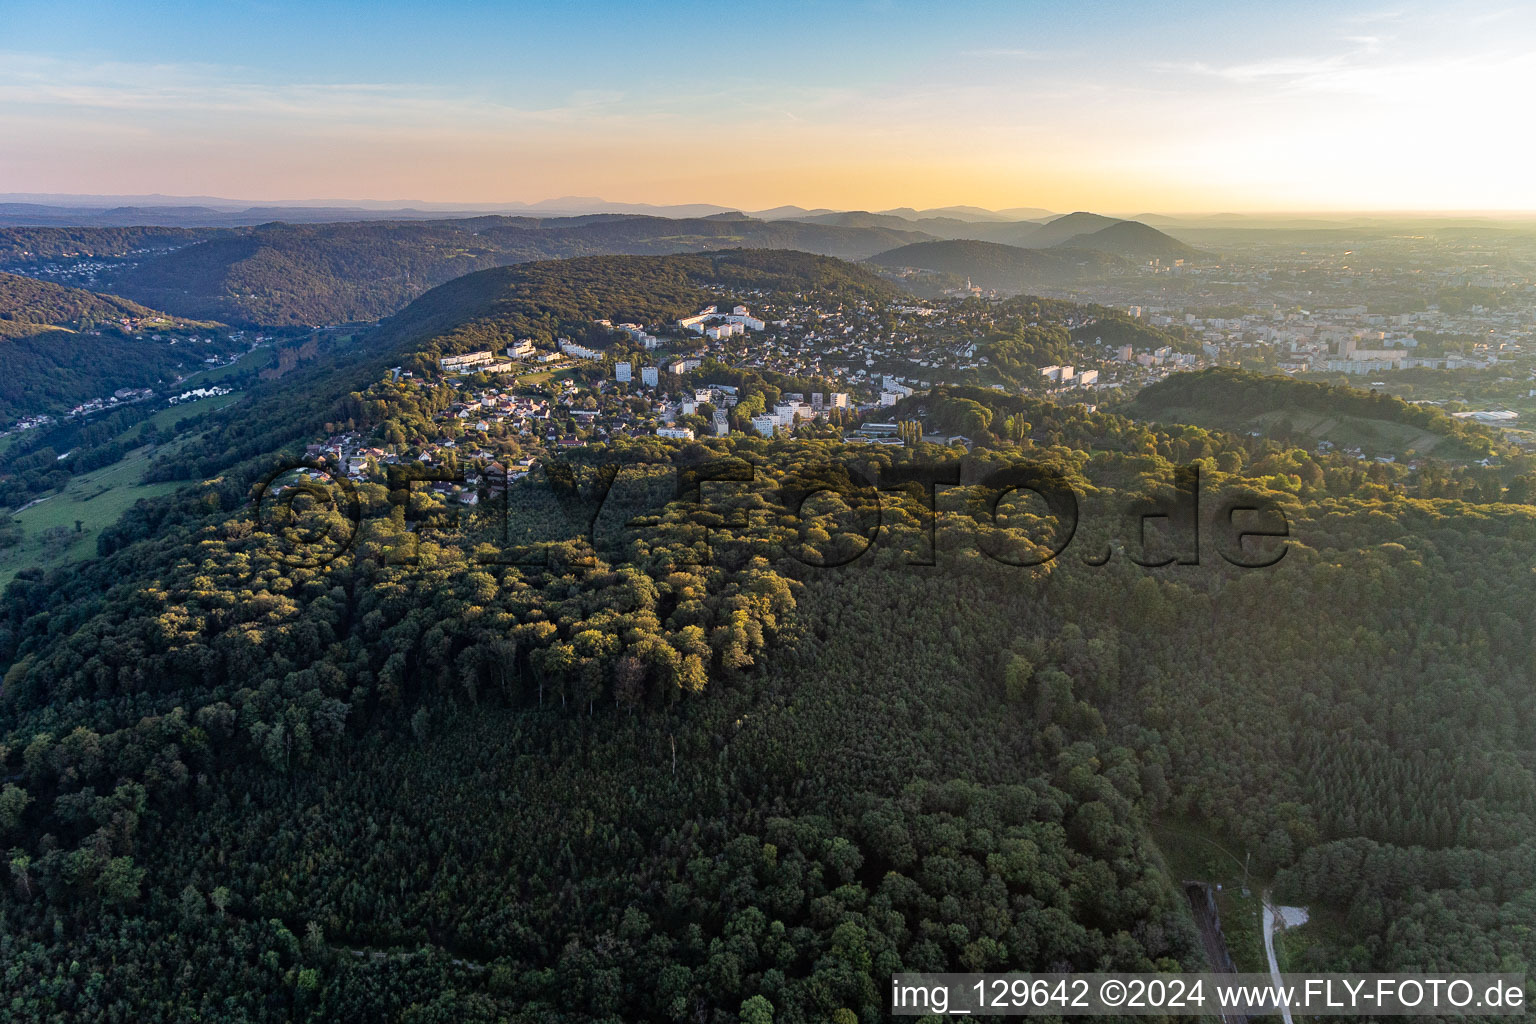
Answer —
1185 107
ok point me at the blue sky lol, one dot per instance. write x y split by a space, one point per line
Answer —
1173 106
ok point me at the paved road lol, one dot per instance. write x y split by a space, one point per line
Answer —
1269 951
1288 916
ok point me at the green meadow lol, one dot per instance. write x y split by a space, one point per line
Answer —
95 500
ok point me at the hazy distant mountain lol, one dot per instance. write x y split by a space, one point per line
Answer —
1004 268
790 213
99 202
1006 232
38 215
1135 241
861 219
576 205
972 214
1054 232
1026 213
1013 232
33 215
43 209
963 213
1025 234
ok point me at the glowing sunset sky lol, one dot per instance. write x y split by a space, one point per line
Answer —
1177 106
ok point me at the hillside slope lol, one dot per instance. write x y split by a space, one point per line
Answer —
280 274
550 298
1307 414
27 303
1135 241
1062 229
1004 268
20 246
542 299
1131 239
61 346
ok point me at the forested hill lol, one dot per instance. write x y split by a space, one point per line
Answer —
1308 413
546 299
23 245
61 346
1004 268
722 753
309 274
1069 251
1062 229
28 305
286 274
296 274
630 782
1135 241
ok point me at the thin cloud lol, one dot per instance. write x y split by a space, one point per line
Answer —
1016 54
189 89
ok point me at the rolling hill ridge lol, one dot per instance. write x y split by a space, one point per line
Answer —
290 274
1004 268
1307 413
1135 241
316 274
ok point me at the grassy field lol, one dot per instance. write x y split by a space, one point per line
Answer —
1352 431
167 418
538 377
95 499
98 498
256 359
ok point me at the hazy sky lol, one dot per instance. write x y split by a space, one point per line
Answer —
1168 106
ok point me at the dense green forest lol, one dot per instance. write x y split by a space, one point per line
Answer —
27 245
733 730
26 303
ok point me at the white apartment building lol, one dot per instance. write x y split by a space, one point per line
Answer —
469 360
